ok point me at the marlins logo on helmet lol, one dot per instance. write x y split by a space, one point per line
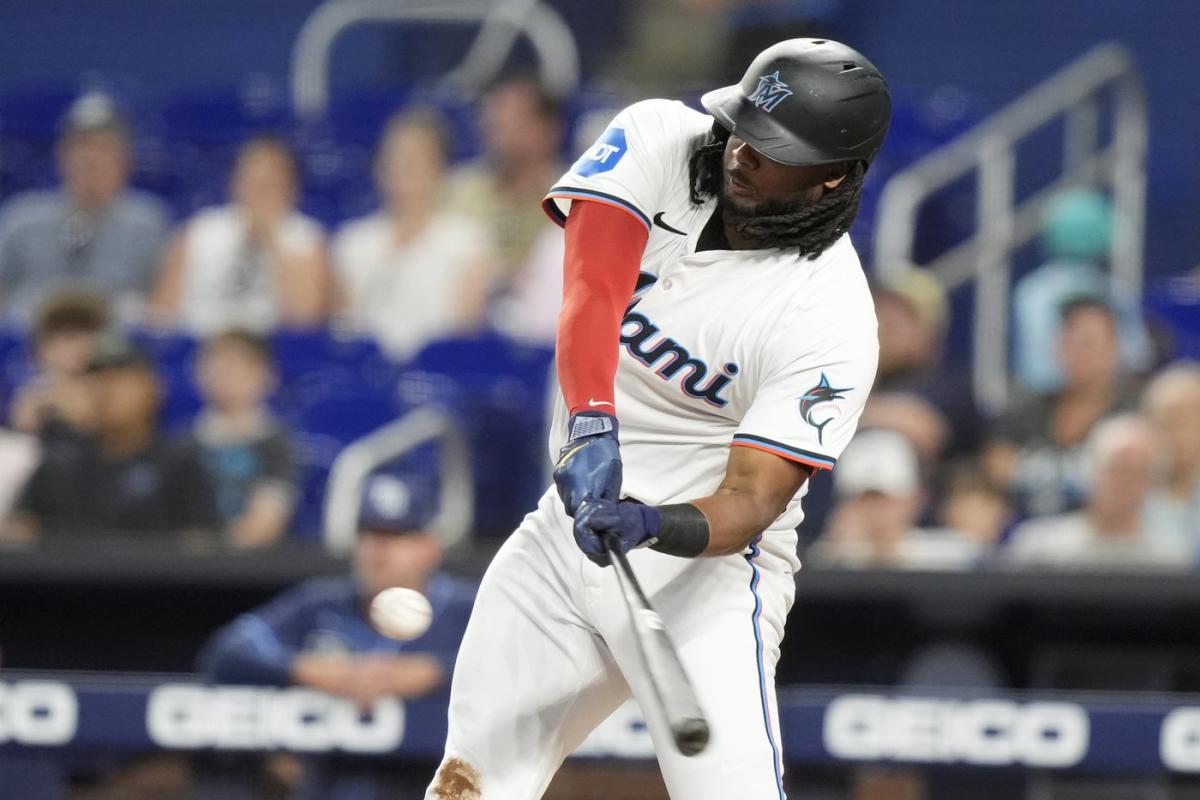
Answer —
771 92
818 395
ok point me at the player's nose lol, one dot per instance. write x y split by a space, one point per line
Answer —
744 155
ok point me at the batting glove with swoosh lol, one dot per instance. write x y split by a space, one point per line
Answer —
590 464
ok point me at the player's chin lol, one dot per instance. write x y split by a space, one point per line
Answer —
737 201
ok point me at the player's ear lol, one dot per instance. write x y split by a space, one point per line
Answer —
833 183
836 174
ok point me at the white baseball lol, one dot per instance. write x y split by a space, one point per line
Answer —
401 614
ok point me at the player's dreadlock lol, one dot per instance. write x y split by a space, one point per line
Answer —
811 228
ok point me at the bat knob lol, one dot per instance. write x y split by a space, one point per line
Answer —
691 735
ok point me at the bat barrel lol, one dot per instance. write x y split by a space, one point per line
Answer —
691 735
672 691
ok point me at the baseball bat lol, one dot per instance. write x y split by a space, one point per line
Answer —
670 688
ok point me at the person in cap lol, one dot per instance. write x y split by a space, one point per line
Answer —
875 523
716 345
914 320
318 635
93 232
123 476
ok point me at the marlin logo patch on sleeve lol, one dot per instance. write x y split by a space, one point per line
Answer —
811 405
771 91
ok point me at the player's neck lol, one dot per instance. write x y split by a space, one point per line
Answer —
720 234
737 241
715 235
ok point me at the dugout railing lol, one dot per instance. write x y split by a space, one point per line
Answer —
501 23
1003 222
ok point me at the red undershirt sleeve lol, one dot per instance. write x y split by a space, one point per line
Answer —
604 247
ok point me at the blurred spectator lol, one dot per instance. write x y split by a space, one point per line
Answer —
256 262
874 525
528 312
1172 404
318 635
1111 531
658 61
123 478
522 127
94 232
64 339
246 453
974 506
915 392
1076 239
413 272
19 456
1035 451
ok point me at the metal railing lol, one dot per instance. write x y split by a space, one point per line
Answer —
350 470
502 22
1002 225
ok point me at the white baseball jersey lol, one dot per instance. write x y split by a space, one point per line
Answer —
759 348
750 347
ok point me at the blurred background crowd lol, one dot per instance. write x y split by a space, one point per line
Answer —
143 393
208 294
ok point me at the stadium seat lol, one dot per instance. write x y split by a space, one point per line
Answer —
497 389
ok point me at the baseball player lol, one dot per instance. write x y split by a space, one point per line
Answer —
716 345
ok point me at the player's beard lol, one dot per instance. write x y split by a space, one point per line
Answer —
739 215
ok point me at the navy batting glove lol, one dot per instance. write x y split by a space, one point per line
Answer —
590 465
635 525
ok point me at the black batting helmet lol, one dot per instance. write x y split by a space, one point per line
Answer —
807 101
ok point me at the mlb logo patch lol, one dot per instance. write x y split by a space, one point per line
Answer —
771 91
608 150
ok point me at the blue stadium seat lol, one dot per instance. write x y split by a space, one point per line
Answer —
357 116
174 355
497 389
15 367
1174 305
228 115
322 426
36 110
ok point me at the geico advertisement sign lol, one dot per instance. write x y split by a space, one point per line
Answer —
187 717
37 713
984 732
1179 740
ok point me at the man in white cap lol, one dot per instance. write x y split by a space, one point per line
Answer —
880 500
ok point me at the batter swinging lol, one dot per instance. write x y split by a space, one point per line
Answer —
715 306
